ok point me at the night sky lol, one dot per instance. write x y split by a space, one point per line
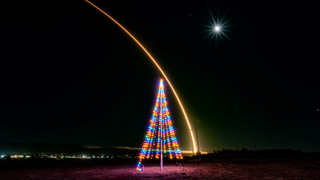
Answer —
70 75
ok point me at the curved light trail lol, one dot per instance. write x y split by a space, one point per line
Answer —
154 61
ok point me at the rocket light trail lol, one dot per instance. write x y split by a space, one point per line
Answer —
154 61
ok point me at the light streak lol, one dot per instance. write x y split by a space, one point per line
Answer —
154 61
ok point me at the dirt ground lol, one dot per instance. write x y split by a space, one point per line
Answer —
212 169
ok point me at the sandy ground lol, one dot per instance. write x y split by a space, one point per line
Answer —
222 169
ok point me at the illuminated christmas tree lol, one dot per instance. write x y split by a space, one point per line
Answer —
160 125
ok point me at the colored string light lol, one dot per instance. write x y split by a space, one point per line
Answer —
151 145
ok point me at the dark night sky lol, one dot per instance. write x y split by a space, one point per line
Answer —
70 75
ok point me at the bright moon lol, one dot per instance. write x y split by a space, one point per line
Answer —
217 28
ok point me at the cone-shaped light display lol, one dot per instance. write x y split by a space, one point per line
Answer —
160 117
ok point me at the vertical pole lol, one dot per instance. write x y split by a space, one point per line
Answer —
192 152
161 159
197 141
254 144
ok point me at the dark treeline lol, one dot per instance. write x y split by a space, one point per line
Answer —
258 153
245 150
